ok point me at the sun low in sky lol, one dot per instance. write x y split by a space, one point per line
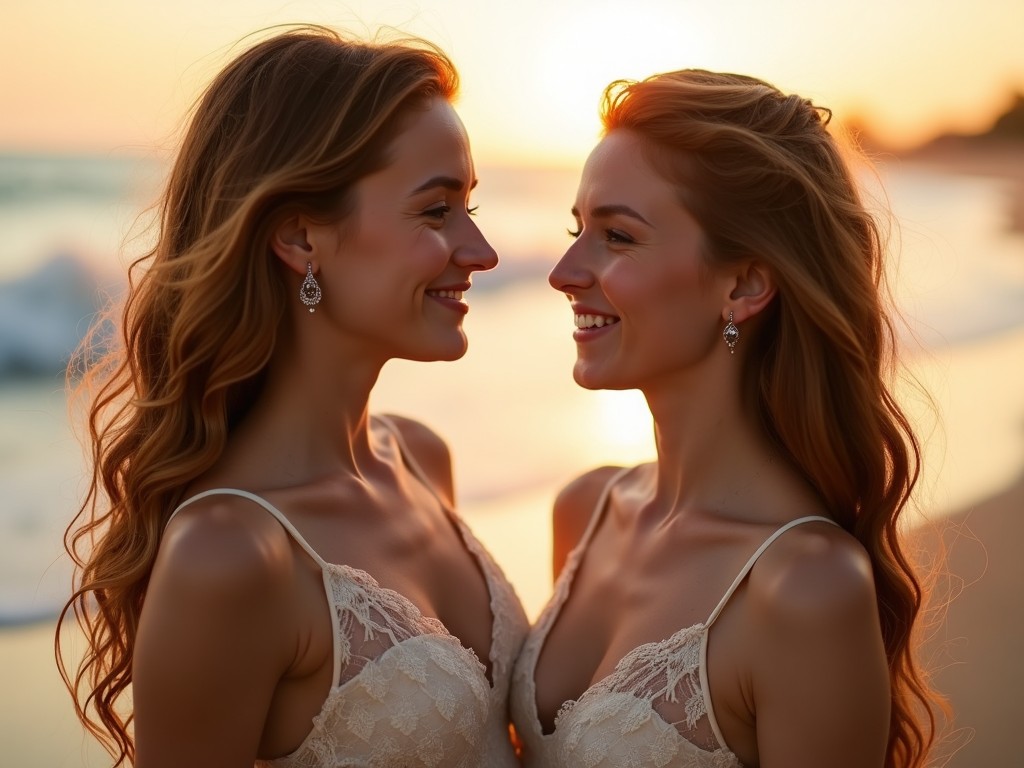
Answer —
118 75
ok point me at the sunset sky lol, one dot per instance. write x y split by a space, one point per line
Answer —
117 75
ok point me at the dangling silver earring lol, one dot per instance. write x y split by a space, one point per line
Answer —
731 334
309 291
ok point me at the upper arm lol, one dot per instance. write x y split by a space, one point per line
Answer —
573 508
820 676
212 641
430 451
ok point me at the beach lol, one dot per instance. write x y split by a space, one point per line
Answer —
519 428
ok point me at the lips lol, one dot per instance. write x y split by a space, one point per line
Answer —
450 296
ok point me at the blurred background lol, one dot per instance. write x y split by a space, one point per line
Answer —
93 98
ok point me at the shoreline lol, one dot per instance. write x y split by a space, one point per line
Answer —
994 159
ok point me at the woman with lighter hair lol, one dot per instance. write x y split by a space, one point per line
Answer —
279 576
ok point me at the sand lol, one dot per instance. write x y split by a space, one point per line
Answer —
975 650
38 728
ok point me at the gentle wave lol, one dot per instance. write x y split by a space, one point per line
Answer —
44 316
29 179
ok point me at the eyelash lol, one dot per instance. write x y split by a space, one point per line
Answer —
611 235
441 211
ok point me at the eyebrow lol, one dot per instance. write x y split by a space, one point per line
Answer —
444 182
604 211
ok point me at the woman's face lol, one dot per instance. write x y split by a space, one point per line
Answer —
404 257
646 305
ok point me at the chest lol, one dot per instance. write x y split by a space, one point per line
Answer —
628 592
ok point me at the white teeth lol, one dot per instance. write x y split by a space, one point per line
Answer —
592 321
457 295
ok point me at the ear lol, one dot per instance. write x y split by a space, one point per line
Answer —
753 289
292 244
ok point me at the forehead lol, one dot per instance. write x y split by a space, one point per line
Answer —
618 171
433 142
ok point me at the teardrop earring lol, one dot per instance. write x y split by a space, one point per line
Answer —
731 334
309 291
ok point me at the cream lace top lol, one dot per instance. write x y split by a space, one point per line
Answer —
654 709
406 692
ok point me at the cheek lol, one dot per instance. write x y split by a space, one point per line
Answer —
656 294
429 252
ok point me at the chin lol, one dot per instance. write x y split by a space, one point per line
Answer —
594 378
452 349
588 378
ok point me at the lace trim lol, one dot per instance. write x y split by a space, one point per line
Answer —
666 676
386 618
509 620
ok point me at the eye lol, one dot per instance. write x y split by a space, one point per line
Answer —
575 233
617 236
438 212
472 211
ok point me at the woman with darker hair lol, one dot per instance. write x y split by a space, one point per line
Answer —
744 600
279 576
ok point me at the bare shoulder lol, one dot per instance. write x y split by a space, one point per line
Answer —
217 632
574 505
223 548
429 450
819 672
815 575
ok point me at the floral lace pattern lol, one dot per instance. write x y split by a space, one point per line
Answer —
650 710
409 693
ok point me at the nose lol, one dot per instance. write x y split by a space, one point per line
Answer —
571 273
475 253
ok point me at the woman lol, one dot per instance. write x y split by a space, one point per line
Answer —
278 575
743 600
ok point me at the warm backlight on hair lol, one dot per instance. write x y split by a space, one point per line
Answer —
578 54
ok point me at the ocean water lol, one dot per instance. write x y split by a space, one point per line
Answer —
517 424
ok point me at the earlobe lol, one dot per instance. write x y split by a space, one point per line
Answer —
753 290
291 244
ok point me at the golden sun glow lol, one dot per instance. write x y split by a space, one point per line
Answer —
578 54
624 425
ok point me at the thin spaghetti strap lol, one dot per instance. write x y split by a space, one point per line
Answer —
278 514
599 507
753 559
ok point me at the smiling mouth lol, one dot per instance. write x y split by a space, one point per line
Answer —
584 322
457 295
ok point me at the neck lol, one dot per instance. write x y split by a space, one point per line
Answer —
311 419
711 454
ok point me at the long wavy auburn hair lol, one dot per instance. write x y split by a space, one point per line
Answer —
763 176
289 126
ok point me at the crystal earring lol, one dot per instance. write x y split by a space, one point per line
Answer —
309 291
731 334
